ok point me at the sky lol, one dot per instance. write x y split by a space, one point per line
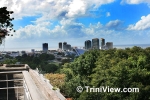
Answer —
75 21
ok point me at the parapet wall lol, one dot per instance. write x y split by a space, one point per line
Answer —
14 67
45 87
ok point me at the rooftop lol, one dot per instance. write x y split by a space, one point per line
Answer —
19 82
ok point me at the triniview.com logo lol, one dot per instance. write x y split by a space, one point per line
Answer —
105 89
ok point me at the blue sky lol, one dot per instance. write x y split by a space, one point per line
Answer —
74 21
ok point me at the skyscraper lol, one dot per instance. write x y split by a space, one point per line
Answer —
45 47
33 50
68 46
64 45
95 43
109 45
102 43
60 45
87 44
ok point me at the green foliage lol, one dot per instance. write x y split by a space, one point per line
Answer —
45 57
9 61
54 88
57 80
50 68
5 18
40 62
63 61
5 23
122 68
9 57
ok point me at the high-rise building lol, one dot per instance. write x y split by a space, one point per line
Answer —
64 45
87 44
102 43
23 53
109 45
45 47
33 50
95 43
60 45
68 47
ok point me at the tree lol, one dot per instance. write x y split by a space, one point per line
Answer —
10 61
116 68
65 61
50 68
5 23
78 72
56 80
46 57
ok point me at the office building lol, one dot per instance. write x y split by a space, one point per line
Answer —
32 50
45 47
102 43
14 54
68 47
87 44
109 45
60 45
95 43
64 45
22 53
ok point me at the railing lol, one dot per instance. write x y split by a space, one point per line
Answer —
47 88
27 95
30 85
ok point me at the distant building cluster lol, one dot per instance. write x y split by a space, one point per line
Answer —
94 44
61 46
64 46
13 53
98 44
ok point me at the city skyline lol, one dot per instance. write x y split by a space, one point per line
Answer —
37 22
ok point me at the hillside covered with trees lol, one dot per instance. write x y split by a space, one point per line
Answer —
122 68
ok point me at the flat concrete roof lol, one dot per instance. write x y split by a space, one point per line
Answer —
18 82
20 67
35 93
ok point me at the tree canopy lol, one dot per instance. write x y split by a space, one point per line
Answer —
116 68
5 23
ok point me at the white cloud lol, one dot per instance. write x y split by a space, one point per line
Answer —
93 29
115 25
68 30
33 31
107 14
98 3
142 24
99 30
66 12
135 1
41 29
52 8
76 7
81 7
66 21
3 3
